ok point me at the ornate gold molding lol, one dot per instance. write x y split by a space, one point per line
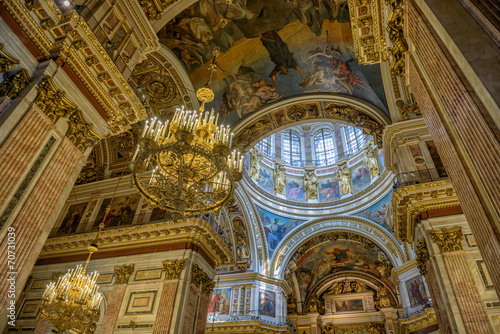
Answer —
12 85
173 269
123 273
367 30
154 8
395 28
6 59
54 103
410 201
422 256
448 240
419 321
406 109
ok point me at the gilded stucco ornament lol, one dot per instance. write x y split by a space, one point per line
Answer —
54 103
198 276
173 269
406 109
422 256
123 273
6 59
154 8
395 29
12 85
448 240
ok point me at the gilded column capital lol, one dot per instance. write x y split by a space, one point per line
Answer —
422 256
123 273
448 240
12 85
173 269
198 276
6 59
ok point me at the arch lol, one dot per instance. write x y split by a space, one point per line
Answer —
365 228
309 109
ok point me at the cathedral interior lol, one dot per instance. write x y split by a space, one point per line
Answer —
361 195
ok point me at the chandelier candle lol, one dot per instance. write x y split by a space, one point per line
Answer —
193 167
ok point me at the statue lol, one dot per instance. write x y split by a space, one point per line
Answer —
279 179
360 287
311 183
242 251
312 305
344 176
382 299
335 289
255 163
371 160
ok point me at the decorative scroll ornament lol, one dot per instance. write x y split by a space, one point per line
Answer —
173 269
448 240
12 85
6 60
422 256
395 28
406 109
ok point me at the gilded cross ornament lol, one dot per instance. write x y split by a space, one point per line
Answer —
173 269
123 273
448 240
422 256
6 59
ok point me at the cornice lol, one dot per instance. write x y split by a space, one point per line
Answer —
191 230
410 201
249 326
394 129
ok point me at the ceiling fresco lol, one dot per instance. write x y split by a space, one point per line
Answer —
271 50
380 213
349 253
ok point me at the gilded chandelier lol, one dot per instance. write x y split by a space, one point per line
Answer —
193 168
72 304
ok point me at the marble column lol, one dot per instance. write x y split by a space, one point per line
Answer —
195 317
173 270
471 307
461 126
122 275
277 146
308 149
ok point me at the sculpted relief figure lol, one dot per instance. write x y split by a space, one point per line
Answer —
371 160
311 183
255 163
279 179
344 176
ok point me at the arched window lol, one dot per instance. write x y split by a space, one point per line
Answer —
354 138
323 145
291 148
265 146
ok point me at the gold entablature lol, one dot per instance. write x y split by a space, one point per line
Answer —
367 31
6 60
80 36
410 201
422 256
173 269
448 240
123 273
54 103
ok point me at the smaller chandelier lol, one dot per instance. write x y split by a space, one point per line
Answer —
72 304
193 167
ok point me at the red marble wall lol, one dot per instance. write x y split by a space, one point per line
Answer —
464 139
202 315
191 310
113 308
166 307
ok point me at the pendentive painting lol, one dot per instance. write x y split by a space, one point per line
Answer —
295 189
72 219
360 178
328 189
122 211
416 291
270 50
267 303
276 228
219 304
266 179
380 213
